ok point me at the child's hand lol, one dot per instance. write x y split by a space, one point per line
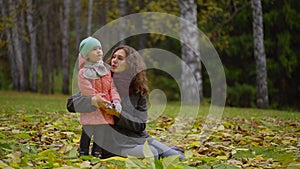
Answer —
117 106
111 109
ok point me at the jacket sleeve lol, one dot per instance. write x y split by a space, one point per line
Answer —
134 118
79 103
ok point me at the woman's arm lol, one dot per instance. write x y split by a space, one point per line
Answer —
132 118
79 103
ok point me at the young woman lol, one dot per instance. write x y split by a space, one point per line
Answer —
127 135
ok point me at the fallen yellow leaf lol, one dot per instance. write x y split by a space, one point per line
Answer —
115 158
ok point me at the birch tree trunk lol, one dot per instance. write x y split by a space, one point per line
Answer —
32 37
65 47
262 100
77 21
90 18
16 42
11 56
189 37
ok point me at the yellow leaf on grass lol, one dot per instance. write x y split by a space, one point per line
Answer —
115 158
76 140
260 158
286 142
256 144
242 143
222 157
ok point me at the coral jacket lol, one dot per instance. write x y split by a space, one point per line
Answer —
91 87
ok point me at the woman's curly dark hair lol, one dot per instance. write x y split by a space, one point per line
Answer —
136 66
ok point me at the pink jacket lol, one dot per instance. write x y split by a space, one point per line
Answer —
91 87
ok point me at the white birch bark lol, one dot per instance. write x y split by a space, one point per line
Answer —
16 42
189 37
262 100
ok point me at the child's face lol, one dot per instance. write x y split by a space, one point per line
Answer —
118 61
95 54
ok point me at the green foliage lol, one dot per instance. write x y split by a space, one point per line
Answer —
241 95
2 80
161 80
281 41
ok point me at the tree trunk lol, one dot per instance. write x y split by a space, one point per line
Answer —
77 21
189 37
65 47
11 56
259 55
102 13
24 46
90 18
142 39
45 54
55 50
16 42
122 7
32 37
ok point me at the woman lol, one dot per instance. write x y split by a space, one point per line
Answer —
128 135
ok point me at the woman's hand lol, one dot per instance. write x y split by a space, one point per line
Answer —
99 101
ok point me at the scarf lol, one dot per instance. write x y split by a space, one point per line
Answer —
95 70
123 82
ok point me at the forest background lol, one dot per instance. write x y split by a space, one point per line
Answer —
56 27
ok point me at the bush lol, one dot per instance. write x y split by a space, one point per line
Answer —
161 80
3 82
241 95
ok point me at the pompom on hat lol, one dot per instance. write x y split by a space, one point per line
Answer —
87 44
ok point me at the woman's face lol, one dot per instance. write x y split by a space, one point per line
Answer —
118 61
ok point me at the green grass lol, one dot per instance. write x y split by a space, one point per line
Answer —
30 102
254 136
249 113
173 108
27 101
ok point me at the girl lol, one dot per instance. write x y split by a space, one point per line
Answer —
94 77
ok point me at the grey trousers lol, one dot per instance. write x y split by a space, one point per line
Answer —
158 149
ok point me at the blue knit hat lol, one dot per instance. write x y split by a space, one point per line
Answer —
87 44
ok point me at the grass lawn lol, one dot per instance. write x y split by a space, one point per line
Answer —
38 132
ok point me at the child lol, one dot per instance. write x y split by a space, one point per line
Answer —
94 77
